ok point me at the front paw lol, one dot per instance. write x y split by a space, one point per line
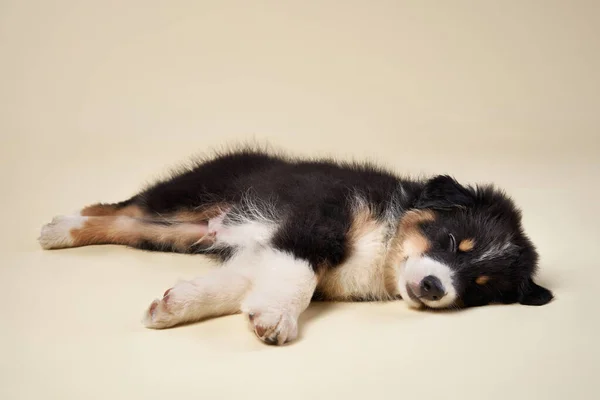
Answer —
176 307
160 314
273 327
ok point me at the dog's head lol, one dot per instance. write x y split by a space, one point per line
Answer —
465 247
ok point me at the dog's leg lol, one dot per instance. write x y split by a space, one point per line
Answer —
76 231
131 209
218 293
124 209
282 289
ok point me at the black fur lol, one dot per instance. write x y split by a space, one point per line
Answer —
313 200
488 216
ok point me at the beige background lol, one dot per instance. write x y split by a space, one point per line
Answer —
98 97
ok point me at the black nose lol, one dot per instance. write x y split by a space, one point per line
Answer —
431 288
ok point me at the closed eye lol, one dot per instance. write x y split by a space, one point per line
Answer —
453 246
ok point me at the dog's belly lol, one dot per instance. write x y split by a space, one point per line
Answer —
363 275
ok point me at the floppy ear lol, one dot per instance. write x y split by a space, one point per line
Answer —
532 294
444 192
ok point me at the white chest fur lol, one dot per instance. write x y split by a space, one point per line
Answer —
362 276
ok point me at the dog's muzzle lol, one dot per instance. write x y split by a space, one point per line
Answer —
430 288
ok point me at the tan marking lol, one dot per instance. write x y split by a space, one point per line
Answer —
411 239
111 210
135 211
370 271
362 274
131 232
466 245
482 280
362 224
415 244
415 217
407 235
99 210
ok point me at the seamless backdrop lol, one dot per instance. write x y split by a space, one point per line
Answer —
98 98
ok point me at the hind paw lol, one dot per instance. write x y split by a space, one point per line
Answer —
57 234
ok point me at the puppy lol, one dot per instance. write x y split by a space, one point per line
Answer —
287 231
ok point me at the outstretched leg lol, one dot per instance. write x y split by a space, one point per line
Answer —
191 196
282 289
272 287
77 231
131 224
134 208
218 293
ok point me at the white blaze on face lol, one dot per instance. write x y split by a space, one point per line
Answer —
412 272
402 288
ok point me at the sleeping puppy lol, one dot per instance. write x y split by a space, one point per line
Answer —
287 231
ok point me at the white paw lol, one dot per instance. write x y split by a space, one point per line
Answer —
159 314
273 327
172 309
57 234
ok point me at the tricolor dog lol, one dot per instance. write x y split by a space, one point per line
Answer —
287 231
